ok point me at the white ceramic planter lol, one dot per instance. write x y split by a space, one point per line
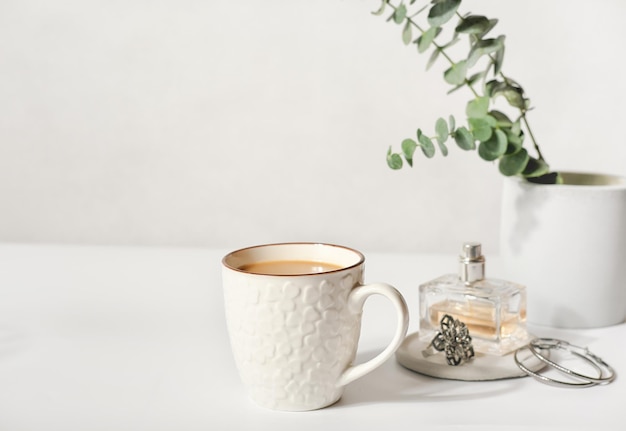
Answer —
567 244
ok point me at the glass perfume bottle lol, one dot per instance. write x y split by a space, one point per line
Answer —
493 310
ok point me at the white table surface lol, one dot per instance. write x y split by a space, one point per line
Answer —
132 338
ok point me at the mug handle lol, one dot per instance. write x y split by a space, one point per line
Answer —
356 300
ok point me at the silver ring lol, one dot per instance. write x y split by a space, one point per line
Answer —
582 352
453 339
539 344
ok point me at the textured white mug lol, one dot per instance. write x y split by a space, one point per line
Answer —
294 337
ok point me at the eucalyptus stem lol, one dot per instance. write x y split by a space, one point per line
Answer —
440 48
489 131
532 136
526 123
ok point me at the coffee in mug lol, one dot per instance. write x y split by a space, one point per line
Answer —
293 313
289 267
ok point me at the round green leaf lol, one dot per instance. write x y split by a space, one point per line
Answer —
483 47
515 97
484 153
491 121
514 94
494 147
442 11
497 63
513 164
443 148
502 120
381 9
408 149
452 123
428 148
455 75
480 128
441 127
464 139
399 14
478 107
394 161
535 168
475 77
492 24
424 41
473 24
516 128
407 33
512 146
513 138
433 58
493 87
455 88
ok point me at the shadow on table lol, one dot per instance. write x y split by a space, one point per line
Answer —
391 382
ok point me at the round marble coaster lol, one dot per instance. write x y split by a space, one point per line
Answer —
481 368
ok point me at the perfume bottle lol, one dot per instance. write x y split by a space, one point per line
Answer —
493 310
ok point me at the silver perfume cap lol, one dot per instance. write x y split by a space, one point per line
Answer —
472 263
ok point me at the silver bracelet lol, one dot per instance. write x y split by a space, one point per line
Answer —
538 344
545 379
546 344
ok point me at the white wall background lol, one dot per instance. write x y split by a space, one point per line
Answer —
230 123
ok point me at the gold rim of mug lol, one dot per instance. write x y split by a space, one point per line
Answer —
361 258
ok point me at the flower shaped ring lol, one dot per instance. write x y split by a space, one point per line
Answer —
454 339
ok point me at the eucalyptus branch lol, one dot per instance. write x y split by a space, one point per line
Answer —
440 48
489 131
524 119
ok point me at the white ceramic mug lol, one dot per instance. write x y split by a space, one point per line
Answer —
294 337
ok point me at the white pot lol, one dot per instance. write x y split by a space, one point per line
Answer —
567 244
